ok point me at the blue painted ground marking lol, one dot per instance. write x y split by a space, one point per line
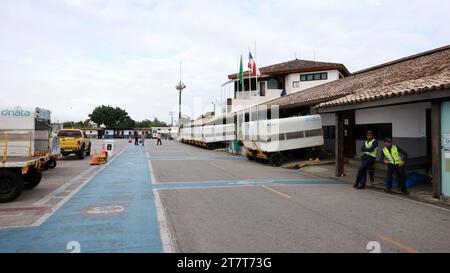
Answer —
193 158
122 184
115 211
239 183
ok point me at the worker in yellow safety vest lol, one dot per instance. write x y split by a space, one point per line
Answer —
370 151
396 164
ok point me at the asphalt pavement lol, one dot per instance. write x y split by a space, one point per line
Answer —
181 198
277 210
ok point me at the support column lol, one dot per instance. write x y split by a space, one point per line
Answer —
339 145
436 148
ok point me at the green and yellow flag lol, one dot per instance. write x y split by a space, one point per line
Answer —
241 71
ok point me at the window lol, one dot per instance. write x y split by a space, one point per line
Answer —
380 130
296 84
313 133
329 132
314 77
69 134
262 88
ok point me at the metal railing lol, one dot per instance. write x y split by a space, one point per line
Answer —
8 137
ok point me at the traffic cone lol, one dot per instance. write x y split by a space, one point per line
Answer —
95 159
105 153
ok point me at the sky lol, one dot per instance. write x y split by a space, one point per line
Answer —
72 55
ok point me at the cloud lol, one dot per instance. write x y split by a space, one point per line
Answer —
70 56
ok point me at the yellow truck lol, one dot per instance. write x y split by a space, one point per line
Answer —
74 141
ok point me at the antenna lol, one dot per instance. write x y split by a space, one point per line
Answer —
181 62
314 48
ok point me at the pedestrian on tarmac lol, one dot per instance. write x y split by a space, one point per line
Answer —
158 138
395 164
369 150
143 138
136 138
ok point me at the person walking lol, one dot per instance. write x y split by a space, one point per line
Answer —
143 138
369 150
395 164
158 139
136 138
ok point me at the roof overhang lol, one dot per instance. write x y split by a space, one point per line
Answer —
404 99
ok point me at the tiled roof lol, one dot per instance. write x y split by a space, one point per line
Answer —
419 73
297 66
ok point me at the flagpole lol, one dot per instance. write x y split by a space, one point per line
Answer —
237 77
256 74
241 66
249 73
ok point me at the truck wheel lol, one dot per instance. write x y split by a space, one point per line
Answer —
88 152
11 186
81 153
51 164
32 179
276 159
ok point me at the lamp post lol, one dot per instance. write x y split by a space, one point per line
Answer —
171 118
180 87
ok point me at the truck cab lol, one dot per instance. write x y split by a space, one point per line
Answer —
74 141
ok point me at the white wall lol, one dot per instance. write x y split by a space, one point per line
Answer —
333 75
407 120
328 119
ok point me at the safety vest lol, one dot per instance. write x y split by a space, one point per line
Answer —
392 156
368 146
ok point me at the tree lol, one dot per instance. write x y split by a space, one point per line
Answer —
78 125
111 117
184 120
158 123
146 123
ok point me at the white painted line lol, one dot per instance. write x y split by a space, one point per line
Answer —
54 193
166 238
12 215
44 217
150 170
217 166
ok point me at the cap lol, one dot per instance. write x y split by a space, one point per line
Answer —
388 139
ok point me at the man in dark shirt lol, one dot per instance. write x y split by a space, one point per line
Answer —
136 138
395 163
369 150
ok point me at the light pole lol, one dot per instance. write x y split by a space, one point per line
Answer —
180 87
171 118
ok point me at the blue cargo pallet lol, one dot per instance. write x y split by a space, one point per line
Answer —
412 179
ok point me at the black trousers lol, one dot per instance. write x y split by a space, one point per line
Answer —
159 142
401 176
136 141
361 178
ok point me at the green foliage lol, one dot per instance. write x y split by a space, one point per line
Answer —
148 123
78 125
111 117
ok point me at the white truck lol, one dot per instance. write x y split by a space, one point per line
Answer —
26 149
271 140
